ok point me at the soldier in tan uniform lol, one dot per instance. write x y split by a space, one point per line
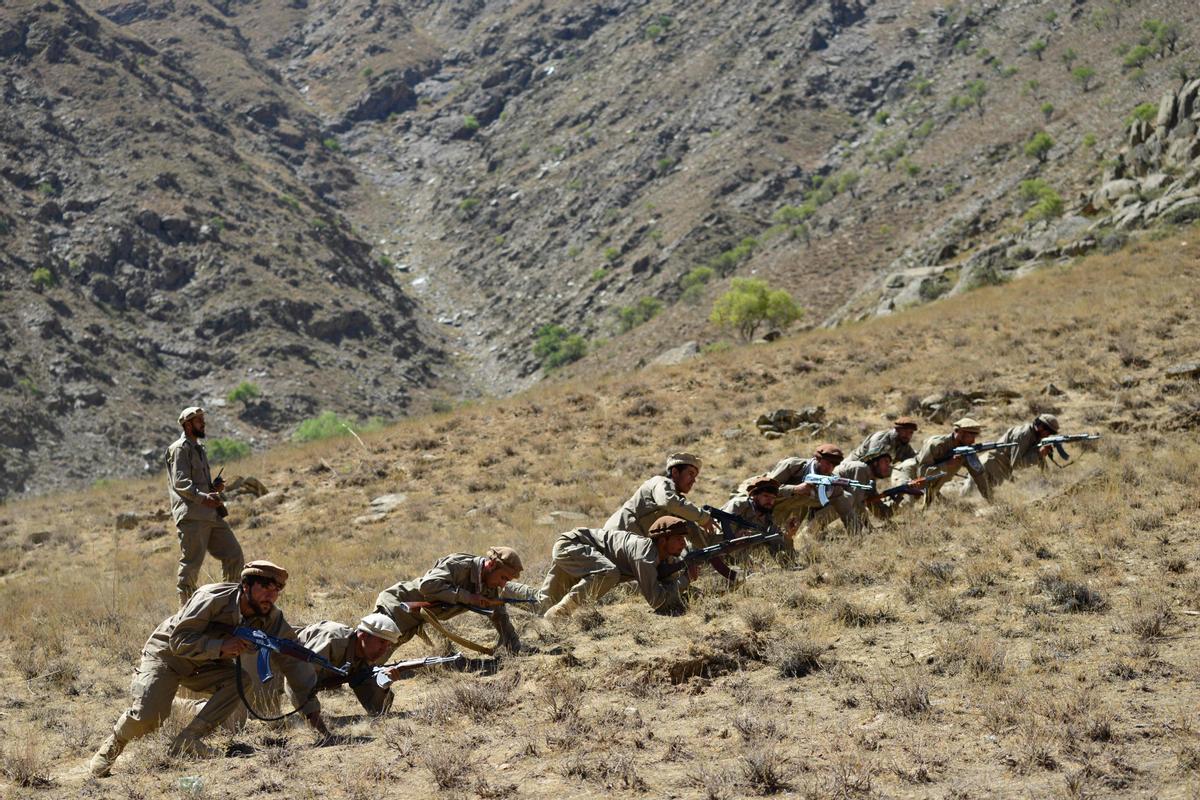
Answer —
998 465
851 506
586 563
756 503
461 580
197 508
359 650
194 649
935 457
895 440
664 495
796 497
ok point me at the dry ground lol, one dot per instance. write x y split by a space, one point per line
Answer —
1036 648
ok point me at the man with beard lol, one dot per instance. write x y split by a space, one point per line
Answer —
197 508
756 505
851 505
897 441
194 649
794 495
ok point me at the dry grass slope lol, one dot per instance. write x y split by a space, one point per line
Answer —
1037 648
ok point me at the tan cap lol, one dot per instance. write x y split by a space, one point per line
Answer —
876 454
189 412
683 460
762 483
968 425
664 526
266 569
506 556
380 625
830 452
1049 420
906 422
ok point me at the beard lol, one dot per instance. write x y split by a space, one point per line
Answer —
198 433
260 609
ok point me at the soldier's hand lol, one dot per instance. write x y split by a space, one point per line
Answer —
1044 451
711 527
210 501
693 570
483 602
219 485
394 673
233 647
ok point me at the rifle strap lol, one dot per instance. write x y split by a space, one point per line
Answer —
241 690
427 618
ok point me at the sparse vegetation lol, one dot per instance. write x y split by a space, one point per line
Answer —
1046 203
42 279
641 311
327 425
244 391
556 346
1083 76
750 304
330 143
1039 146
470 123
222 450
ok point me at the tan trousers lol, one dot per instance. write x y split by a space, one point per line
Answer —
153 690
580 570
198 536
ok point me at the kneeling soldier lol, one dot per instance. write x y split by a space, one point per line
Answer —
460 580
586 563
757 505
194 649
935 456
851 506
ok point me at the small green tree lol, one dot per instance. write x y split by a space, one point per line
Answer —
1037 47
1137 56
327 425
611 254
976 90
470 123
1039 146
750 303
641 311
1144 112
42 278
1047 111
222 451
556 346
1069 57
1083 75
1046 203
244 392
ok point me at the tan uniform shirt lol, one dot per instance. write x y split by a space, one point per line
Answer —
188 476
336 642
450 580
935 449
655 498
636 557
191 638
744 507
888 440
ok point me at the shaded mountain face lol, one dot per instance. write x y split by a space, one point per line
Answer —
362 205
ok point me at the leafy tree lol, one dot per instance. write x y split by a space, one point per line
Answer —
1083 76
222 451
1047 110
1039 146
1137 56
750 303
245 391
1037 47
1069 57
556 346
328 424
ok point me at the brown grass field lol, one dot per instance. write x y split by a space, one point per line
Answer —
1037 648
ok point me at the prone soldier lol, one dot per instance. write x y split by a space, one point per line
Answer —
998 465
359 650
896 441
756 504
193 649
937 455
851 506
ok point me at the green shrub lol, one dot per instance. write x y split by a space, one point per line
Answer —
933 287
611 254
882 117
922 86
244 391
1083 76
1144 112
846 181
599 273
910 169
367 72
1069 57
330 143
792 215
1137 56
728 261
468 204
924 130
42 278
222 451
665 163
1047 204
750 303
47 189
556 346
290 202
1037 47
641 311
470 123
573 251
1039 146
657 27
325 426
1047 111
1089 140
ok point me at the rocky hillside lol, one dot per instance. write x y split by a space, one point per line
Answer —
353 204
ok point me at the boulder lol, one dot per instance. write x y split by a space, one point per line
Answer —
564 519
1184 371
386 503
784 420
676 355
1108 194
1168 108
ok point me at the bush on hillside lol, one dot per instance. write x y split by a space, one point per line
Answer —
245 391
556 346
751 303
222 451
641 311
325 426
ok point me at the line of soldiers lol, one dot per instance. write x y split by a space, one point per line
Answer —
198 648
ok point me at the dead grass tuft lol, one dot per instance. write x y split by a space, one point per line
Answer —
797 657
26 765
758 617
851 615
1070 595
476 698
906 694
449 765
589 619
765 771
561 695
1149 623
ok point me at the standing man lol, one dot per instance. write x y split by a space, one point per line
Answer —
586 563
935 456
194 649
460 580
896 441
795 496
664 495
998 465
197 508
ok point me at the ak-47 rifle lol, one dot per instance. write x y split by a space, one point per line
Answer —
825 482
731 522
915 487
268 644
381 674
970 453
1057 442
667 569
222 511
416 605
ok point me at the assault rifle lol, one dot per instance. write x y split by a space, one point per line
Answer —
416 605
914 487
825 482
1058 441
667 569
222 511
380 673
970 453
268 644
731 522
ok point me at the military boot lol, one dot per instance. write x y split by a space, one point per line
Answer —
101 763
563 609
